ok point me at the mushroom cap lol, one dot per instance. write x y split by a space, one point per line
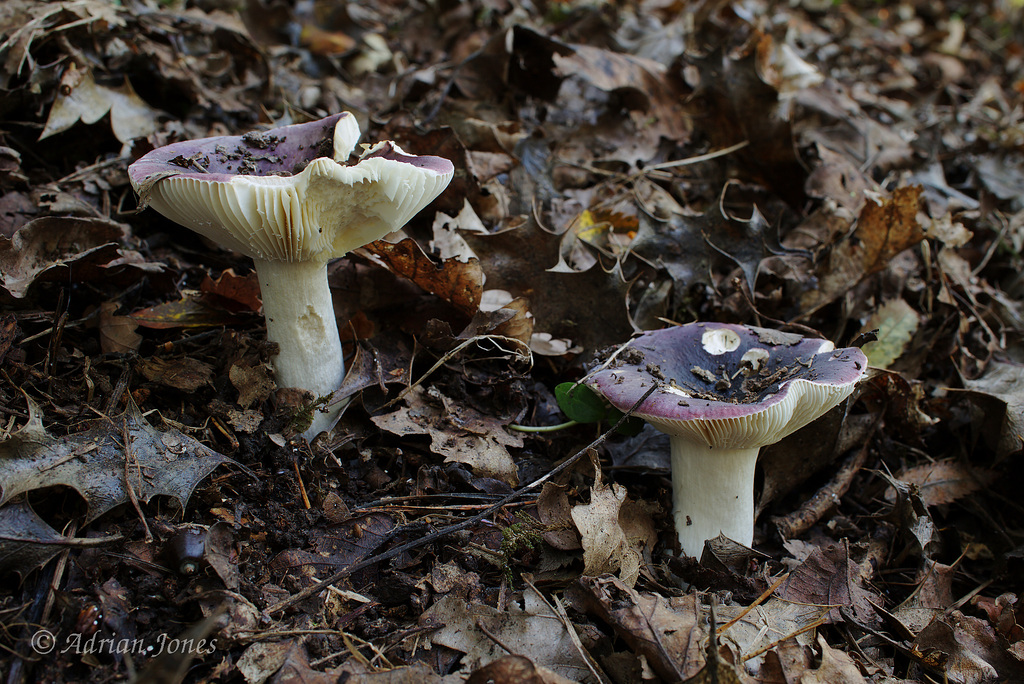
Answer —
729 386
286 193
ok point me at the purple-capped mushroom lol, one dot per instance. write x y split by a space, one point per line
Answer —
287 198
723 391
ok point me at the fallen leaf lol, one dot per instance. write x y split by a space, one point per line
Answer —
773 620
252 382
1001 391
50 246
515 669
27 542
339 545
230 288
933 595
457 432
532 629
80 98
262 659
190 311
117 333
96 463
973 652
896 322
186 373
884 229
944 482
554 512
614 533
829 579
458 283
911 515
746 242
665 631
836 668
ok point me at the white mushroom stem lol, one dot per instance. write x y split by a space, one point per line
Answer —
300 319
712 493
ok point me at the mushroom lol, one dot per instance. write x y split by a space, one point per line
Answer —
722 392
286 198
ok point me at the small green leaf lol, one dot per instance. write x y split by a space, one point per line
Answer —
580 403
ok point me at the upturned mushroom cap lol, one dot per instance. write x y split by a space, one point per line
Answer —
729 386
286 194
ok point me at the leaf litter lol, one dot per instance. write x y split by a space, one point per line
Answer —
838 168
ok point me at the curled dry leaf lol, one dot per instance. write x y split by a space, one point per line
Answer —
457 432
49 246
460 284
615 533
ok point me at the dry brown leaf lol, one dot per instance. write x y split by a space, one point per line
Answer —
884 229
457 432
836 668
80 98
49 246
459 284
944 482
828 578
1000 392
252 382
117 333
515 669
970 649
614 533
556 514
532 629
186 373
666 631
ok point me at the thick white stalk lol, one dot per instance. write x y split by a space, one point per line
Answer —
712 493
300 319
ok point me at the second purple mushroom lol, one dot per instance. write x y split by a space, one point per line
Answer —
723 391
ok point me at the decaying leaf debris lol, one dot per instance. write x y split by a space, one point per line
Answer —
850 170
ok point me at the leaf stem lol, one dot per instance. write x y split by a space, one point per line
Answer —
543 428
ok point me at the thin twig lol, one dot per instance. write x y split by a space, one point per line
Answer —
494 637
74 542
760 599
558 610
131 459
814 625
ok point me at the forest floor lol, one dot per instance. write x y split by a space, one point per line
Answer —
845 170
